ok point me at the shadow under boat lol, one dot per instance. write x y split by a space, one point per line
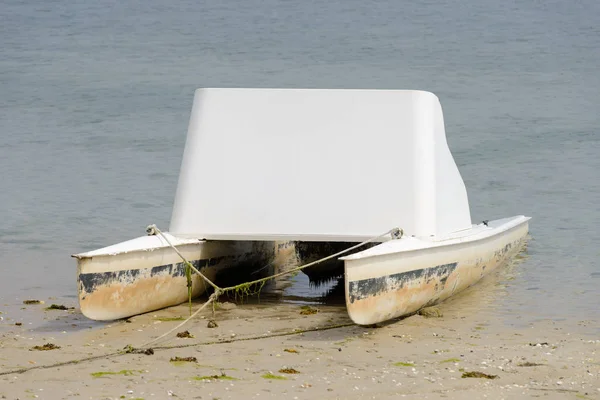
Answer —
325 278
323 272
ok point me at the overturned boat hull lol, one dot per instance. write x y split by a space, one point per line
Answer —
400 277
146 274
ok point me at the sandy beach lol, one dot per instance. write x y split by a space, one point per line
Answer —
282 350
96 101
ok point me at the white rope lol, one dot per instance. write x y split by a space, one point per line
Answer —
210 300
301 267
153 230
395 233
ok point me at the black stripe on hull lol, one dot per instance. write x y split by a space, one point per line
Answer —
90 281
359 290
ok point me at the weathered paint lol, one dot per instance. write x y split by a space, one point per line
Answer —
122 285
362 289
384 287
114 295
92 281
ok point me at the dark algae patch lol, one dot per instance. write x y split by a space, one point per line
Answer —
47 346
130 349
223 377
59 307
477 374
308 310
183 359
28 302
288 371
528 364
212 324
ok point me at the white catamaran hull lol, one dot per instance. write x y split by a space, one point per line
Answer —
146 274
246 133
400 277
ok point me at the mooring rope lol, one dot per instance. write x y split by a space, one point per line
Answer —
153 230
396 233
211 299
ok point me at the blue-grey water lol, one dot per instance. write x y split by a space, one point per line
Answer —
95 100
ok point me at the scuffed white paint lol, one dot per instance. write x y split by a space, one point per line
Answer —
142 243
406 244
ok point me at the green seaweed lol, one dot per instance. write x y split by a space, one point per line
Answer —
124 372
221 377
180 363
169 319
430 312
450 360
404 364
271 376
246 289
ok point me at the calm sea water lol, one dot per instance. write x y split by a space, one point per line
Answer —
95 101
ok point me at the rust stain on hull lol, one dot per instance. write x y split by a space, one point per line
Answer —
113 295
116 287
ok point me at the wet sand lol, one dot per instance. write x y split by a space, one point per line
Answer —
416 357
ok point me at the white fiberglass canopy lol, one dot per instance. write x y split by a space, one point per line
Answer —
317 165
